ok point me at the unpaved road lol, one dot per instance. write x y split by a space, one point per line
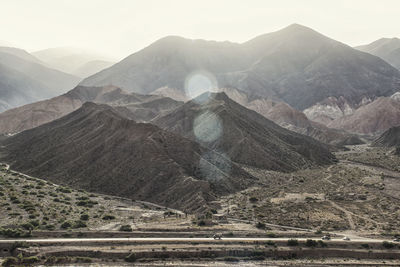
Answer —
178 239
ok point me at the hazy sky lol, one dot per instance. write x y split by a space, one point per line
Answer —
120 27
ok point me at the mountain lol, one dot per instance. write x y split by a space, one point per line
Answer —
279 112
72 60
96 149
296 65
21 54
372 118
24 79
17 89
134 106
91 67
57 81
243 135
390 138
385 48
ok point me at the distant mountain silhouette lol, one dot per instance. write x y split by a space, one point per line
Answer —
25 79
385 48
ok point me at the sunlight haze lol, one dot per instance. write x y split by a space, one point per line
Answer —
119 28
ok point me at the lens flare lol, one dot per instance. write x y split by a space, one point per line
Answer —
207 127
199 82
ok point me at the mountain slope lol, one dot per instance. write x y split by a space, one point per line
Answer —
57 81
295 64
389 138
385 48
134 106
17 89
24 79
373 118
91 67
243 135
72 60
20 53
97 149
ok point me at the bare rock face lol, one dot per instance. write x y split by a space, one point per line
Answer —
97 149
296 65
134 106
329 109
243 135
373 118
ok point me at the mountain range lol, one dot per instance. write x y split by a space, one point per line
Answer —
134 106
296 65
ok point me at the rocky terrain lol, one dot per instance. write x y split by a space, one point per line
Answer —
390 138
283 65
246 137
135 106
28 203
373 118
97 149
359 194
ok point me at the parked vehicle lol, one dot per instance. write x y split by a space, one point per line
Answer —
346 238
217 236
326 237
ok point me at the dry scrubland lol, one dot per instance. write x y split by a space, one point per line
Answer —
360 193
357 197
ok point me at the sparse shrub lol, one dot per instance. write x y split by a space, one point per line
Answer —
84 217
253 199
131 257
126 228
27 226
387 245
10 261
201 223
292 242
231 259
260 225
66 225
366 246
108 217
311 243
83 259
271 235
79 224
